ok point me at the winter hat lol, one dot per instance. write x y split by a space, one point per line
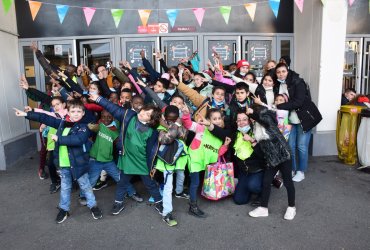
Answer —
286 59
242 63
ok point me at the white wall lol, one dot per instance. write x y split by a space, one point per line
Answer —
10 93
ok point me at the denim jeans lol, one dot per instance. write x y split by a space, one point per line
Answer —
299 140
66 188
194 184
180 177
95 168
247 184
167 192
124 184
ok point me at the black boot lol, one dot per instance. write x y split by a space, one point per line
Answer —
194 210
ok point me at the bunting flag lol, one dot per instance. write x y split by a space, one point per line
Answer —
274 4
62 12
144 16
350 2
299 4
172 15
199 14
89 13
34 7
251 9
225 12
323 2
6 5
117 15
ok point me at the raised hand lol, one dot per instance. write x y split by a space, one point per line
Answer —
142 54
93 97
158 55
127 65
174 80
33 46
27 109
141 83
203 121
185 110
23 82
19 112
257 100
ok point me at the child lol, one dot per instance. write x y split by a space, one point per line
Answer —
204 149
240 102
277 155
71 153
160 88
138 148
166 137
282 116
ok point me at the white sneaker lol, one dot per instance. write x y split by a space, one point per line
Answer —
259 212
293 173
290 213
298 177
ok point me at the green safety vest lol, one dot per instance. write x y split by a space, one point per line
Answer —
63 152
243 149
50 144
102 149
206 154
180 163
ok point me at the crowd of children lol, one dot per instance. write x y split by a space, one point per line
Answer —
123 122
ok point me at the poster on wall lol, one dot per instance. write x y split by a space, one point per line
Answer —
133 50
58 50
177 50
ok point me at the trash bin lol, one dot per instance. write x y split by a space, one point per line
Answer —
347 126
363 139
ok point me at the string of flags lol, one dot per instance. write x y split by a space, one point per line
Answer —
144 14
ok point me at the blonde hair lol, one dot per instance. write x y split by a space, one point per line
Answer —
265 70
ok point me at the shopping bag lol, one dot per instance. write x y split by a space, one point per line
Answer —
218 180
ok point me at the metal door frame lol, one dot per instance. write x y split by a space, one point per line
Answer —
260 38
365 81
97 41
278 48
359 61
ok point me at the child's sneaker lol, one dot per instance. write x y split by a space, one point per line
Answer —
54 187
290 213
96 213
100 185
159 207
117 207
82 201
169 220
62 216
182 195
137 198
151 200
42 174
259 212
298 177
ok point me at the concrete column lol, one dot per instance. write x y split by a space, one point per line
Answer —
319 42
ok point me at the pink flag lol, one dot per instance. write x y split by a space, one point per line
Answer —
199 14
299 4
350 2
89 13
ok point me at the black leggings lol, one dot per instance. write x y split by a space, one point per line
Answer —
286 172
52 169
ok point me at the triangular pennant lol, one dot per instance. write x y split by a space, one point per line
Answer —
172 15
299 4
62 12
117 15
34 7
274 4
350 2
144 16
323 2
89 13
225 12
199 14
6 5
251 8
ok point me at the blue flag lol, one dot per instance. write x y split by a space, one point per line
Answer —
274 4
62 12
172 14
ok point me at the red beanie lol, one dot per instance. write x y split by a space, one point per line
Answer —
242 63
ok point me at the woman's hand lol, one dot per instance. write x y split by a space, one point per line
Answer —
23 82
19 112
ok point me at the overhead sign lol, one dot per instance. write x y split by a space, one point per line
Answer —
184 29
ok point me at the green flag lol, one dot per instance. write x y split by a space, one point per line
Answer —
225 12
6 5
117 15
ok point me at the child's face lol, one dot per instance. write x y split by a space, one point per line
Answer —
270 65
249 78
145 115
244 69
232 68
198 81
217 119
76 113
116 84
106 118
279 100
242 120
126 85
113 98
93 89
178 102
58 105
137 103
125 97
219 95
171 117
241 95
158 87
268 82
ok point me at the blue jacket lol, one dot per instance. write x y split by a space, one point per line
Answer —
124 116
77 142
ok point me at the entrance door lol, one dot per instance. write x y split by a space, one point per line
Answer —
352 62
176 48
257 51
365 84
96 52
227 47
59 53
131 48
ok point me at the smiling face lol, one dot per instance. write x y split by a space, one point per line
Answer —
75 113
198 81
268 82
219 95
158 87
125 97
217 119
93 89
58 105
106 118
137 104
249 78
242 120
279 100
178 102
270 65
145 115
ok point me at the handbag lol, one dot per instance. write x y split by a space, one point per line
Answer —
218 180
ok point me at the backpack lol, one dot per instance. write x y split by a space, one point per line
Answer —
170 153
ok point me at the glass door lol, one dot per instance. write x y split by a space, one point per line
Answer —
365 83
59 53
227 47
285 48
176 48
131 48
257 51
352 60
96 52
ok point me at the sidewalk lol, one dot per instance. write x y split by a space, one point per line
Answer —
333 212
